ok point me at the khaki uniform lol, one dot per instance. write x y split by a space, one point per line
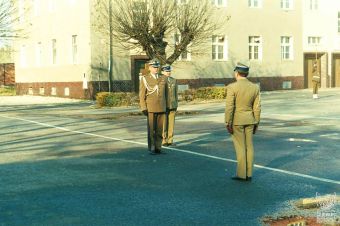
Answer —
172 104
316 83
242 112
152 96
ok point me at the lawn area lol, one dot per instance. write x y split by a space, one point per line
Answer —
7 91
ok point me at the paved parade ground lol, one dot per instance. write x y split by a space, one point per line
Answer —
68 163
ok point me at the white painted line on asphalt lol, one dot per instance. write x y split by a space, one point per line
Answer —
176 149
73 131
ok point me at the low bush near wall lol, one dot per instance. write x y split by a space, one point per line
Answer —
205 93
106 99
116 99
7 91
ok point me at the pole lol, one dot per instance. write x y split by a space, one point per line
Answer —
4 74
110 46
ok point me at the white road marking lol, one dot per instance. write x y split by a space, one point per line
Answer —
176 149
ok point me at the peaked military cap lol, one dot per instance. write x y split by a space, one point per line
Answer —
154 63
167 68
242 68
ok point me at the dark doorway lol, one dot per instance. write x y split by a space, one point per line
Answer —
137 66
336 70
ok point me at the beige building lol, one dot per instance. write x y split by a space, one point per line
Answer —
321 41
64 56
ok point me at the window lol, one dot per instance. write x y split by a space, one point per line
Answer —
219 3
23 61
38 54
286 48
66 91
54 51
255 48
186 55
219 47
74 49
41 91
339 22
30 91
314 40
53 91
286 4
255 3
313 4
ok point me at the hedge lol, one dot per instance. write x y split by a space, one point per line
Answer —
116 99
126 99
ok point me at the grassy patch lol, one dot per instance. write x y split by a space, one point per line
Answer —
7 91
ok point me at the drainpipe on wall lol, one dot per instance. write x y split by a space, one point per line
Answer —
110 46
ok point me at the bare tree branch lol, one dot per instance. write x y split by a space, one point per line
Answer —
9 21
150 24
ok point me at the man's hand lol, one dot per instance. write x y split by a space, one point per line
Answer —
255 128
229 128
145 112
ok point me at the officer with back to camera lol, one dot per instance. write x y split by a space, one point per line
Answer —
242 116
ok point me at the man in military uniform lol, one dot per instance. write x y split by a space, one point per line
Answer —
152 96
315 80
171 107
242 116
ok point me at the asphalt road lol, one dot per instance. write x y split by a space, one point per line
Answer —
71 164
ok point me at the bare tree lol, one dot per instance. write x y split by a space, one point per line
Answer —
9 21
148 25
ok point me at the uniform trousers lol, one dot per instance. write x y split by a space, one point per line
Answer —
155 130
315 87
168 128
243 143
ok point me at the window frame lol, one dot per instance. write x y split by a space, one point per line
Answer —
284 45
284 3
54 51
217 44
314 4
216 3
314 40
177 39
338 21
74 49
251 4
252 44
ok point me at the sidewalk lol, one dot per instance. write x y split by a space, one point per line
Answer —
75 107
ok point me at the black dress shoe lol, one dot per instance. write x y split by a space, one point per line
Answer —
248 178
239 178
157 151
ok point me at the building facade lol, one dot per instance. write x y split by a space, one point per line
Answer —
321 41
66 56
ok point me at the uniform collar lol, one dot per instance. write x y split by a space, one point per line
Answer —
155 76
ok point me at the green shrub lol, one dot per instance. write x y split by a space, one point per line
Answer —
100 98
116 99
7 91
106 99
204 93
